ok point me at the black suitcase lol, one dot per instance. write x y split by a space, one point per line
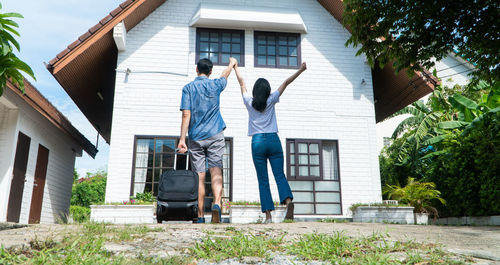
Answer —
177 194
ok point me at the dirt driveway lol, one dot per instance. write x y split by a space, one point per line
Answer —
476 241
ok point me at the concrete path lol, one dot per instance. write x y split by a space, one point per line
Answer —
481 242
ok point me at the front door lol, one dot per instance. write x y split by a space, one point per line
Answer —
39 184
19 174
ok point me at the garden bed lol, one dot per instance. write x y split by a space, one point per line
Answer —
384 214
247 214
123 214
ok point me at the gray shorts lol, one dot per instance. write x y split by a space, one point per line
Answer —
207 153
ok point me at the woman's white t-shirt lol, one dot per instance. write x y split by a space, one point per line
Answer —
262 122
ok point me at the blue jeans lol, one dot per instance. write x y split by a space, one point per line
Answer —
268 146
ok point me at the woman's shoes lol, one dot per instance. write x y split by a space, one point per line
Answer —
268 221
289 211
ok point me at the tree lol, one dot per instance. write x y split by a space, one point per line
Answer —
10 65
412 33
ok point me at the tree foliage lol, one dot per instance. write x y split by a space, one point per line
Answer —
90 190
460 153
413 33
10 65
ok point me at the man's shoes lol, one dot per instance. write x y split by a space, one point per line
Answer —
201 220
216 214
289 211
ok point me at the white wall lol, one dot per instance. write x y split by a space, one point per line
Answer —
452 71
62 152
328 101
8 123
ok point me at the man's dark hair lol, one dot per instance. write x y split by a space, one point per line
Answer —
205 66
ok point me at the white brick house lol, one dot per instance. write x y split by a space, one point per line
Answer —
38 146
134 73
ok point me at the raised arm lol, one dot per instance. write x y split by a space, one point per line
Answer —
289 80
227 71
240 79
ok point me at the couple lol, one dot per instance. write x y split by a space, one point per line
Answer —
202 120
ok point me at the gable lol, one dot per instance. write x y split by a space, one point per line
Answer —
86 69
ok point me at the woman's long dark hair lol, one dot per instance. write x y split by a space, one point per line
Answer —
261 91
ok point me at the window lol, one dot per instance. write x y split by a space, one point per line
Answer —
313 174
387 141
154 155
220 44
277 50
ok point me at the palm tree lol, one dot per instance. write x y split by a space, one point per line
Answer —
417 194
420 126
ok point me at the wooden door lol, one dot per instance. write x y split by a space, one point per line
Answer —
39 184
19 175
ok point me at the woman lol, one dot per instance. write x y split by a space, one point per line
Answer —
263 128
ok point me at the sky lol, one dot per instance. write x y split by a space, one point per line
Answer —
47 28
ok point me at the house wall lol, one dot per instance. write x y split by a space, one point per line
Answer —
452 71
8 123
62 152
328 101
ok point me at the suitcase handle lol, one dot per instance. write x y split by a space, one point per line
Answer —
175 158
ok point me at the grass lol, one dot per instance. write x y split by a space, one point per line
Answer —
86 246
239 246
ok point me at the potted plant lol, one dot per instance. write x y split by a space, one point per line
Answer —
419 195
382 213
246 212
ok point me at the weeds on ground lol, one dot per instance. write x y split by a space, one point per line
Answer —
239 246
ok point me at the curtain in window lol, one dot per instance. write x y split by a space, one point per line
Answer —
330 165
141 165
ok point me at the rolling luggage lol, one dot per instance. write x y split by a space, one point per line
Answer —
178 194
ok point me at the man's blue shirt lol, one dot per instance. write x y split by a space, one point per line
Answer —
202 98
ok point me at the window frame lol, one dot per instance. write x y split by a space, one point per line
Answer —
314 179
241 62
176 138
296 153
277 35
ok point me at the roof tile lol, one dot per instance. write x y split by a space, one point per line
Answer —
84 36
53 61
116 11
126 3
74 44
61 54
105 19
93 29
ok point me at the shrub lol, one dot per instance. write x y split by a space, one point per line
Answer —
79 214
89 190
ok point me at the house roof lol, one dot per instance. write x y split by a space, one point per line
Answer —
86 68
39 103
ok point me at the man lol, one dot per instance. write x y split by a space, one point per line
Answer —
201 116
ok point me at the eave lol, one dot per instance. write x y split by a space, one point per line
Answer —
40 104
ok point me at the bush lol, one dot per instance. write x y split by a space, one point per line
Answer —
90 190
468 174
79 214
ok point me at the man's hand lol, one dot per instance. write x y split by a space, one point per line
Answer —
303 66
182 146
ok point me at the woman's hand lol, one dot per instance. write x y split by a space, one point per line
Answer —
303 66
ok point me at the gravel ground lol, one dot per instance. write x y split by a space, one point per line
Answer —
482 243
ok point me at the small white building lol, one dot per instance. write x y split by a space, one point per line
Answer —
127 72
38 146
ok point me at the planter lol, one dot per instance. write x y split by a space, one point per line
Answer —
421 218
123 214
384 214
247 214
